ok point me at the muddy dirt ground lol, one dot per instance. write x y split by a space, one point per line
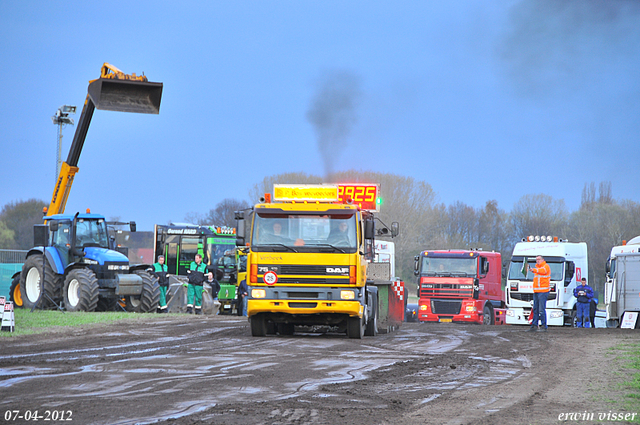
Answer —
182 369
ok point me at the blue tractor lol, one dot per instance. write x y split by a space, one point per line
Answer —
75 263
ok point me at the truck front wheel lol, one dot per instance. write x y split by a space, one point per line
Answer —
355 327
488 317
258 325
33 286
80 290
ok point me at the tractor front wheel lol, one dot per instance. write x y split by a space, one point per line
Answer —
81 290
148 299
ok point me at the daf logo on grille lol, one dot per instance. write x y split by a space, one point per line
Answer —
337 269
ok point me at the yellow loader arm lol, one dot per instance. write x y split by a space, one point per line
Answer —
113 91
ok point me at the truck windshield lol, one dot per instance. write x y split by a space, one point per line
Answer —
304 233
92 232
515 270
459 266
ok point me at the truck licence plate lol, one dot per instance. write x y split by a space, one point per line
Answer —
445 320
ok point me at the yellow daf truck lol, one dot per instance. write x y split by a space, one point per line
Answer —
308 254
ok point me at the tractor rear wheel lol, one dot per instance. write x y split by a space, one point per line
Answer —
106 304
14 292
148 299
33 287
80 290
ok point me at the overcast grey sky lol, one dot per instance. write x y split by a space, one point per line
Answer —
482 100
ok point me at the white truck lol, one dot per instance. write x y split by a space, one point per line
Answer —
568 262
623 282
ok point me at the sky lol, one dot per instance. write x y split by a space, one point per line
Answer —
482 100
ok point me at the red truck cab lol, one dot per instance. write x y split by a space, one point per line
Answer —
460 286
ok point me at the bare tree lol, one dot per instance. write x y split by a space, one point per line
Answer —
538 215
223 213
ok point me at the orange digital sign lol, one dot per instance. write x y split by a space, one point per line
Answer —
365 195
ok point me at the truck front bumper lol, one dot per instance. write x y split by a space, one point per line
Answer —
520 316
305 307
468 318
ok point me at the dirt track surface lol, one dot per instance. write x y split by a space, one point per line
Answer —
199 370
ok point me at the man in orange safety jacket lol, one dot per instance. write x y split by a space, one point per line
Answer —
542 275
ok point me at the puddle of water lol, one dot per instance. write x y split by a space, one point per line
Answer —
430 398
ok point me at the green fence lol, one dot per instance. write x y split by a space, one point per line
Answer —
10 262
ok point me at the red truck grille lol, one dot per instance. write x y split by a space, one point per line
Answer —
446 290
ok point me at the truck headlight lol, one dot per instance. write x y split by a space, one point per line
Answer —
347 295
423 307
510 313
555 314
258 293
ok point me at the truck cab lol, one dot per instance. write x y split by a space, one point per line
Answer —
459 286
568 262
307 260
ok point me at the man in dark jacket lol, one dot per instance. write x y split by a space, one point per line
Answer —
196 273
583 294
161 272
243 293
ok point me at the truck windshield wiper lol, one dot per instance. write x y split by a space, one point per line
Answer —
332 246
279 244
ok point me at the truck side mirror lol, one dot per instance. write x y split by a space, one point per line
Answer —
369 229
41 234
132 226
240 230
416 265
395 229
485 267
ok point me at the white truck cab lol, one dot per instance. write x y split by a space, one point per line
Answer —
616 284
568 262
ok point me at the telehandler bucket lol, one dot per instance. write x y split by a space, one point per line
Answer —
126 95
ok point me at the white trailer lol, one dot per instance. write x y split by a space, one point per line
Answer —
622 290
568 262
386 253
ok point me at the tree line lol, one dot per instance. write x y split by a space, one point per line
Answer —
601 220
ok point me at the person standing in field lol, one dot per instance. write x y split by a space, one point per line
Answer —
197 271
542 275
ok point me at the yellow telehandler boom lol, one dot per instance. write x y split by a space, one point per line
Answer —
113 91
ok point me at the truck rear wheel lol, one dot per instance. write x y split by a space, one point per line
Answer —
80 290
258 325
372 324
355 327
32 285
15 295
148 299
488 317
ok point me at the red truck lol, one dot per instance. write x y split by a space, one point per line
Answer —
460 286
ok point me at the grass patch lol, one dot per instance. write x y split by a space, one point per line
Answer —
630 356
41 321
